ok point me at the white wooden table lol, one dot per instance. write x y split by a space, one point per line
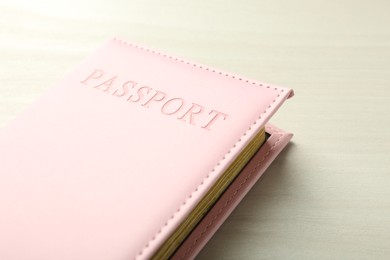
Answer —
328 195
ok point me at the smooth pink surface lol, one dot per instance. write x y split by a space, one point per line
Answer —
87 174
234 194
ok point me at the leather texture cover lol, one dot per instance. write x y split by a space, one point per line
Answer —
234 194
110 160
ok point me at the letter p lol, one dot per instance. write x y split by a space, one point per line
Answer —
94 75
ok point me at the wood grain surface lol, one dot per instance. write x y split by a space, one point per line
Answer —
328 195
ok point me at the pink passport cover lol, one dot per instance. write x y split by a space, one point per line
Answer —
111 160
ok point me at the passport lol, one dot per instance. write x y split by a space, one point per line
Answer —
135 154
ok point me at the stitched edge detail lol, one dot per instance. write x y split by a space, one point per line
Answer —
141 252
232 197
197 65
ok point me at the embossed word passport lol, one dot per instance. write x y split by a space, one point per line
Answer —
135 154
